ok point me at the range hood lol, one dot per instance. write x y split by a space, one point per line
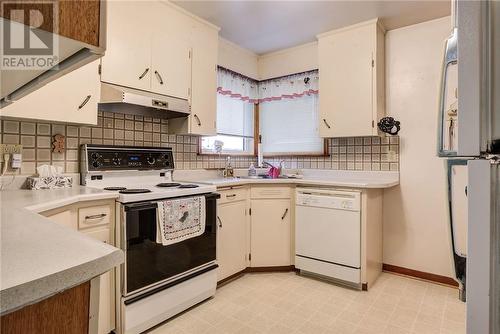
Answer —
115 98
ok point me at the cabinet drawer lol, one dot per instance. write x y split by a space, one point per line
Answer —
271 192
94 216
232 195
100 234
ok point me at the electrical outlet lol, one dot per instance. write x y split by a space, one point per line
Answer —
10 149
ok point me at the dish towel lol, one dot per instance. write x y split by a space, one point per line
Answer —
180 219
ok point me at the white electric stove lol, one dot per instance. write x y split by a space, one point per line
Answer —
156 282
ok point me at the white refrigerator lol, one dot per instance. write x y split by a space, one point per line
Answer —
469 137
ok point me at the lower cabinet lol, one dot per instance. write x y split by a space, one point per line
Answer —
96 220
231 238
270 232
106 287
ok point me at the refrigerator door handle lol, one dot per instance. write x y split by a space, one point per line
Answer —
450 58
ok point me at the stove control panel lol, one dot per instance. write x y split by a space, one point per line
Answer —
101 158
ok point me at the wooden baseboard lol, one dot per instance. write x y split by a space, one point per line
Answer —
420 274
230 278
270 269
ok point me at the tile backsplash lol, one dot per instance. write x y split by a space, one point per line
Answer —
356 153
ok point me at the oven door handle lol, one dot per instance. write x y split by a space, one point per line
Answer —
141 206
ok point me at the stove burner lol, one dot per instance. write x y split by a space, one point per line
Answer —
115 188
186 186
168 184
134 191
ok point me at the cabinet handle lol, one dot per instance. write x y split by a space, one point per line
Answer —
284 214
143 73
232 195
158 76
326 123
85 101
98 216
197 119
220 221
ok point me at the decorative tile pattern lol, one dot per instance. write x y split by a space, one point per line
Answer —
356 153
287 303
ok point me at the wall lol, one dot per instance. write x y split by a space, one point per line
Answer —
118 129
293 60
238 59
416 231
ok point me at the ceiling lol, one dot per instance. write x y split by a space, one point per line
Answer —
266 26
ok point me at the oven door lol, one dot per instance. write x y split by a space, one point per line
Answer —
148 263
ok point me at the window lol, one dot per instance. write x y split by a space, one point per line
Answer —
290 126
235 127
288 115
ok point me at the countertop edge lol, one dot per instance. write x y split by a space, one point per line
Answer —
29 293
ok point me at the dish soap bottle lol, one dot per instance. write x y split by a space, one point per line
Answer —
251 170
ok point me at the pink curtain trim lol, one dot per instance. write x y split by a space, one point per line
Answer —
267 99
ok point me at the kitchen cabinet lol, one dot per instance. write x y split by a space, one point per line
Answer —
55 102
96 220
351 84
232 233
106 322
80 39
203 99
270 240
148 48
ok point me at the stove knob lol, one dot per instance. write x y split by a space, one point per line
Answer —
151 160
95 155
116 161
96 164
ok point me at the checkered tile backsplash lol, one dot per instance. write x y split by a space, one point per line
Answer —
357 153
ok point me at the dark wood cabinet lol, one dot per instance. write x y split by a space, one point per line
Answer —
65 312
77 19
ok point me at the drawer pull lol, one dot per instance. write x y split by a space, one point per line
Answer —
284 214
232 195
98 216
220 221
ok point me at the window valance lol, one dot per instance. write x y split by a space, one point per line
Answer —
288 87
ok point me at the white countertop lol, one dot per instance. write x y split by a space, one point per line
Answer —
324 178
40 258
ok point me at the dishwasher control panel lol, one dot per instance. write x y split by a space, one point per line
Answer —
329 199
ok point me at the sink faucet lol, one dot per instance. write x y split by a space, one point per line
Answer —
228 169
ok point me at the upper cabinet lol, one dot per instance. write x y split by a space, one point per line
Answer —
203 99
148 48
351 81
47 40
157 47
71 98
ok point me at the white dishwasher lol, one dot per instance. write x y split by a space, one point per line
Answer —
328 233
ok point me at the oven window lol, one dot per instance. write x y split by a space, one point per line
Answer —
148 262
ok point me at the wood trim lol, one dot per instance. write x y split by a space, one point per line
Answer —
78 20
65 312
420 274
270 269
231 278
256 130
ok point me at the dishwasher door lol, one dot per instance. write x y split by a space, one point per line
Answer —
328 227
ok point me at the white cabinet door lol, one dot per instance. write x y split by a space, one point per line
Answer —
350 85
231 238
204 80
270 236
71 98
106 288
170 52
127 61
